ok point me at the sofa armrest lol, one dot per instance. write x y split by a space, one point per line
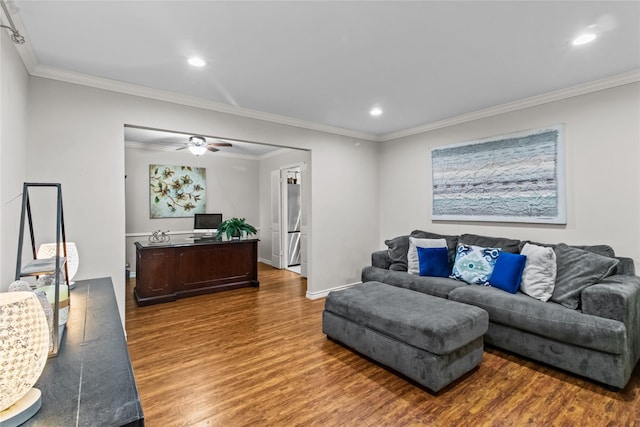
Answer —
618 298
615 297
381 259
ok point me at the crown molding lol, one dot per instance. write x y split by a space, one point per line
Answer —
146 92
570 92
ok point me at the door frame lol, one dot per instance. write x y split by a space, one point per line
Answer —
283 240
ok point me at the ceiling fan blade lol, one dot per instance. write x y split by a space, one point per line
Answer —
181 148
221 144
211 148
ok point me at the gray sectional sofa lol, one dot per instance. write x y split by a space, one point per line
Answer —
599 340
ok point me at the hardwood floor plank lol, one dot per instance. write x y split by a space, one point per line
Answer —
257 356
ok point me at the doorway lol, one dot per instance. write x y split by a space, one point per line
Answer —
292 219
237 182
289 229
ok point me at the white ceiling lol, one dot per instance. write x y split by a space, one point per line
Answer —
326 63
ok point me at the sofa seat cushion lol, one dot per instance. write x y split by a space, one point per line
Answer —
436 286
429 323
546 319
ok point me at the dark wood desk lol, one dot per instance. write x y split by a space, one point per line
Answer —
184 267
90 382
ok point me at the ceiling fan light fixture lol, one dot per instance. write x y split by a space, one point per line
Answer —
583 38
196 62
197 140
197 150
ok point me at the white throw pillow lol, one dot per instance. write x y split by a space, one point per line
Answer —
413 263
539 275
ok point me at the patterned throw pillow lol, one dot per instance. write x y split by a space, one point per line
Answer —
474 264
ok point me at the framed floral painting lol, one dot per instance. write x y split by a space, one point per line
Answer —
176 191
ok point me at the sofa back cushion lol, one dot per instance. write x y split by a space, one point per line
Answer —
604 250
398 248
413 261
577 270
507 245
452 241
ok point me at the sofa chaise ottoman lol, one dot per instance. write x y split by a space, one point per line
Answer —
429 340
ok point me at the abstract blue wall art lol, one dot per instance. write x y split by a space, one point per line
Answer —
517 177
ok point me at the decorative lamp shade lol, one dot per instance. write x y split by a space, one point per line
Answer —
24 334
63 296
48 250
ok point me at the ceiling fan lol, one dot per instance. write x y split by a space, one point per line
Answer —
198 145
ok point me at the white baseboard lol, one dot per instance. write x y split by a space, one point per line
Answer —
324 293
265 261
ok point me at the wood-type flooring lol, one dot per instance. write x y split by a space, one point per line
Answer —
258 357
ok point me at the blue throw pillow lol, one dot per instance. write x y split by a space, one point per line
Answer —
433 261
474 264
507 272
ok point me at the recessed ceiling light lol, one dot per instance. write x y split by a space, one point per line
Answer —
376 111
583 39
196 62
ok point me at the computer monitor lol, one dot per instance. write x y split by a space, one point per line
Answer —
206 224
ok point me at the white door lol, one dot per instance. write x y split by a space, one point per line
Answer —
276 213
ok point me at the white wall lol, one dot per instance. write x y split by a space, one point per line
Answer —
13 153
75 136
231 189
266 166
602 143
345 219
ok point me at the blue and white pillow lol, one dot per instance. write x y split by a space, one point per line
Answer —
474 264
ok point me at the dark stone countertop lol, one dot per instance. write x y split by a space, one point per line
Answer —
91 381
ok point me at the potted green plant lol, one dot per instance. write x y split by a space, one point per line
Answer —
234 228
